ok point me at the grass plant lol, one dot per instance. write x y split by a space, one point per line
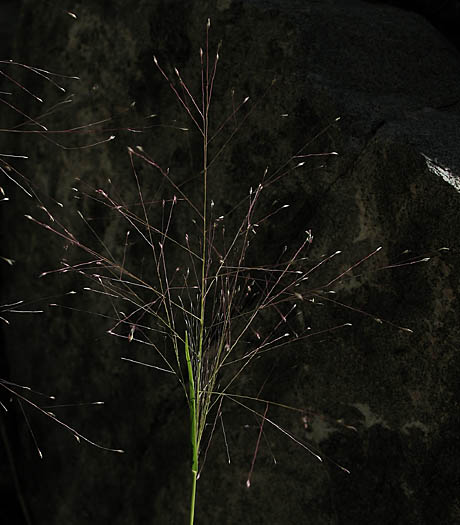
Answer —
206 308
200 302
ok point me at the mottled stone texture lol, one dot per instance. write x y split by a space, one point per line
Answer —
395 83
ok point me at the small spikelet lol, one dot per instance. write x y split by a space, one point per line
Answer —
131 333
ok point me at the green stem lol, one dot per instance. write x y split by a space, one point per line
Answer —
193 428
192 500
197 418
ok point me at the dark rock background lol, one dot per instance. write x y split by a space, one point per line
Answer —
394 80
444 15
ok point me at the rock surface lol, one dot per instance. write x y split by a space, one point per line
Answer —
394 81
